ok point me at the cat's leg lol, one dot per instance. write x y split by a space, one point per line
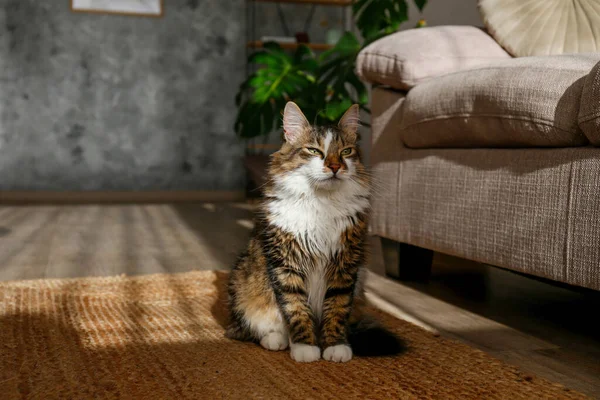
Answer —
254 311
344 279
292 297
337 311
268 326
262 322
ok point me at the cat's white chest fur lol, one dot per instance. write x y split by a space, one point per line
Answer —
318 221
318 226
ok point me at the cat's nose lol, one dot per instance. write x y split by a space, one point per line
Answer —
334 167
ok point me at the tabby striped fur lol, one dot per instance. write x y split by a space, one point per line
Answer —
299 281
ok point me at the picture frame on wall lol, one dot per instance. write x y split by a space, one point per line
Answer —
140 8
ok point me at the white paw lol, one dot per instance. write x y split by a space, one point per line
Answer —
338 353
305 352
274 341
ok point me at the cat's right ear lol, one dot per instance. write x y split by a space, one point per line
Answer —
295 124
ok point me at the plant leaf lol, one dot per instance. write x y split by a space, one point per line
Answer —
376 17
280 77
325 86
336 109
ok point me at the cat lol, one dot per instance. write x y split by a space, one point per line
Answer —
299 283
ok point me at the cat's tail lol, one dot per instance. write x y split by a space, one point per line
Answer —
368 338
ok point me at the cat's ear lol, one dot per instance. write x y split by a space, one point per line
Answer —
295 123
350 121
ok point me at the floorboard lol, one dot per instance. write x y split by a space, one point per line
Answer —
543 329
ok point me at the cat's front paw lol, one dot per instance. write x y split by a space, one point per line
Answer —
274 341
305 352
338 353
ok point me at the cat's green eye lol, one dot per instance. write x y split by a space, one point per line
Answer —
313 151
347 152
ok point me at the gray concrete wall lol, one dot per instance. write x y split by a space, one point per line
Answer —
103 102
99 102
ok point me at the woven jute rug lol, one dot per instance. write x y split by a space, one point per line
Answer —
161 337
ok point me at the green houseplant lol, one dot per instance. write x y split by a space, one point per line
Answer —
323 86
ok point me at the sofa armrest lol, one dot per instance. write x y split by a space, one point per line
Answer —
406 58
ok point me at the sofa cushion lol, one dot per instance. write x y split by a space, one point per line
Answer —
522 102
407 58
589 112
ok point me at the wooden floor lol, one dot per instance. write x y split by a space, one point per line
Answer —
546 330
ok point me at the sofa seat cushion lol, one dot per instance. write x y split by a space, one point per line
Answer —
589 112
407 58
523 102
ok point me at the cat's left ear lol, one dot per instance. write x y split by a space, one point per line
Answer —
350 121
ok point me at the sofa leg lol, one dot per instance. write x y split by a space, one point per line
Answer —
406 262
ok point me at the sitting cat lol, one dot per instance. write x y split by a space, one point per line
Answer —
299 281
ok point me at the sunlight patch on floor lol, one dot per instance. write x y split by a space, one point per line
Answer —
246 223
391 309
209 207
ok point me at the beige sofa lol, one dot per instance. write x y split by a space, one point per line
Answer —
483 156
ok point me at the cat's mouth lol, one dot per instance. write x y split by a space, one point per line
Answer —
329 182
332 179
